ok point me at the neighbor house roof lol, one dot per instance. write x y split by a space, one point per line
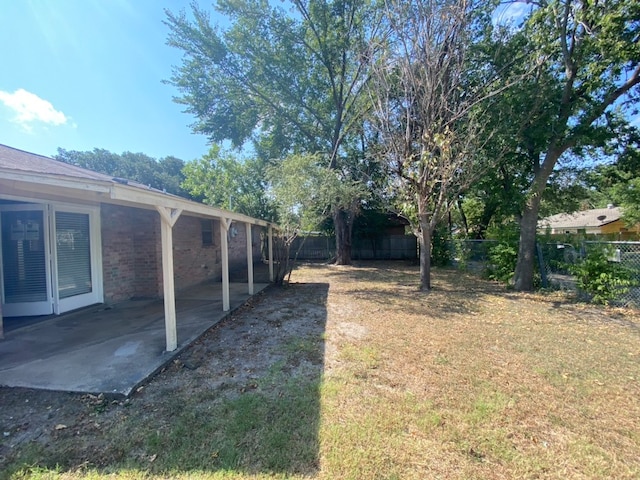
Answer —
594 218
40 175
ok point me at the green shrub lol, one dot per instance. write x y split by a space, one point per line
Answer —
601 279
502 261
461 253
440 248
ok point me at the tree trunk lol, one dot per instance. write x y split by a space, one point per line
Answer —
463 218
523 277
425 253
488 212
343 224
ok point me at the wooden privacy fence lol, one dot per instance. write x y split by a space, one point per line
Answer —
386 247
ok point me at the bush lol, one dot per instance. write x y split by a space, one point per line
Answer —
461 253
440 248
502 261
602 280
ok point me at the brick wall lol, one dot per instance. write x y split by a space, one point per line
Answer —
131 261
194 263
238 245
147 246
132 256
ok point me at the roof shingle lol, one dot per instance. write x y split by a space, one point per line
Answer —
587 218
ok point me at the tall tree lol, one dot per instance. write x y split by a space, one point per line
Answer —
429 95
300 185
590 52
618 182
221 179
291 81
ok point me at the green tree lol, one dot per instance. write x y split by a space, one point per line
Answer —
221 179
291 81
300 185
163 174
618 182
431 90
630 201
516 121
590 59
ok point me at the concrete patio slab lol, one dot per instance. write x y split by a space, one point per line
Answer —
109 349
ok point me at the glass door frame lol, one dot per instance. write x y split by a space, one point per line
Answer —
96 294
53 303
42 307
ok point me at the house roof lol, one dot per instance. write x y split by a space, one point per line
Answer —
15 159
41 176
585 219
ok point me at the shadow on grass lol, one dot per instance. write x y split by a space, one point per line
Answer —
243 400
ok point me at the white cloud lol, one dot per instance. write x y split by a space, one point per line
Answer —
30 108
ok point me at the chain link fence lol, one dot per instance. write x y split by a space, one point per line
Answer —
555 261
472 255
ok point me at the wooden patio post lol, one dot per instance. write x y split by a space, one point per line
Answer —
168 217
224 246
249 258
270 253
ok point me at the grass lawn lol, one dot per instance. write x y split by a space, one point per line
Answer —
353 373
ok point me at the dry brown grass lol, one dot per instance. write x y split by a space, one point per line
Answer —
468 381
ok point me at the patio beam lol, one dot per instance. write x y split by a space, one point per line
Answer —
169 217
225 223
128 194
249 258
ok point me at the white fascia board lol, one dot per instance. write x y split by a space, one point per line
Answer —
153 199
56 181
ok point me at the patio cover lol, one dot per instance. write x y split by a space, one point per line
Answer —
27 175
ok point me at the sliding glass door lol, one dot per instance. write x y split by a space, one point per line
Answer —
77 278
51 260
26 276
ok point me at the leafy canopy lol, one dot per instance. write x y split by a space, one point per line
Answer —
163 174
222 179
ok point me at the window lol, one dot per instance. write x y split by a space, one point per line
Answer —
210 232
207 232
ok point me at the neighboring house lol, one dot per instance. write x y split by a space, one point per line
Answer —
600 221
71 237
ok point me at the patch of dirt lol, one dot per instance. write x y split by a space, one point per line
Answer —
228 359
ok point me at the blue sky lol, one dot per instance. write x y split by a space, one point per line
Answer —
85 74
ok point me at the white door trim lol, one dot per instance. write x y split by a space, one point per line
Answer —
43 307
95 248
53 303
